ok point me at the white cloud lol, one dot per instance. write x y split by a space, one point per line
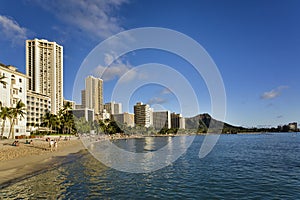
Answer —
273 93
166 91
116 70
156 100
95 18
112 72
11 30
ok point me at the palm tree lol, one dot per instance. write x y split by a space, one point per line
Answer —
19 110
66 118
67 106
68 123
2 81
4 115
104 125
50 120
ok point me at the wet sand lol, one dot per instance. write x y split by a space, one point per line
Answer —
26 159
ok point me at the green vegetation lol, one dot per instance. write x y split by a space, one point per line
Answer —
4 115
110 127
82 126
12 114
166 131
204 123
61 123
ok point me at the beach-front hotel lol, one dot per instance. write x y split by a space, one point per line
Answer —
142 115
44 68
13 91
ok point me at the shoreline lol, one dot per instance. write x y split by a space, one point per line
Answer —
30 163
20 168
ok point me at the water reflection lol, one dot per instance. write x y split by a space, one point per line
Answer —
47 185
149 144
59 182
248 166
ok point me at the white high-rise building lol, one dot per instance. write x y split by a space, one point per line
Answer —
10 93
142 115
44 68
92 96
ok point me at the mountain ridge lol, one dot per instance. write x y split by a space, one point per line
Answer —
205 123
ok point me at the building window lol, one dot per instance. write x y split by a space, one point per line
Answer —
20 80
20 90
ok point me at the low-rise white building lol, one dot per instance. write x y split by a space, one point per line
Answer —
13 91
124 118
37 106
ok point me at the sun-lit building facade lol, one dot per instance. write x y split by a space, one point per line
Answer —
10 93
44 68
92 96
113 107
37 106
124 118
142 115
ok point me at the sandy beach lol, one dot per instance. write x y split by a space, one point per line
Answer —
17 162
26 159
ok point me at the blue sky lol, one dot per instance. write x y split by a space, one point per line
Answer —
255 45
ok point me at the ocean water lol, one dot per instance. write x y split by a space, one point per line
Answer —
253 166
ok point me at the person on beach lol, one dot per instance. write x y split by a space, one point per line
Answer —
55 145
15 143
51 145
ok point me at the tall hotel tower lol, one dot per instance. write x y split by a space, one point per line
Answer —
44 68
143 115
92 96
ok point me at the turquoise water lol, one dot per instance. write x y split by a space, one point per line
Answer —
258 166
